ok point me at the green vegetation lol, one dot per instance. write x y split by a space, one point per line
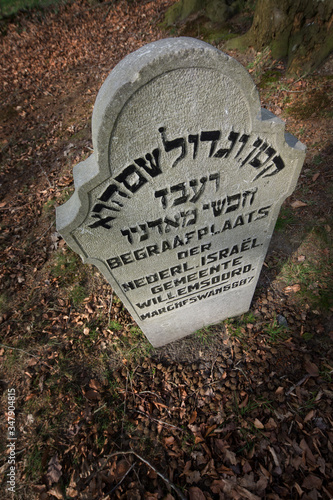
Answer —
67 267
4 302
49 207
253 404
132 345
11 7
204 336
275 332
315 280
270 78
236 326
115 326
77 295
307 336
34 463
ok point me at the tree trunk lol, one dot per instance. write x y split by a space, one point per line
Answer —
300 30
216 10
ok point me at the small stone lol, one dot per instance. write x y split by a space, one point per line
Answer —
282 320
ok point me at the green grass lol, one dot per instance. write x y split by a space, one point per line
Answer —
275 332
10 7
204 336
132 345
4 303
66 268
307 336
49 207
249 318
285 219
317 159
327 374
236 326
315 279
115 326
77 295
34 463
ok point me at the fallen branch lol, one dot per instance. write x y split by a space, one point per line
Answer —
131 452
109 313
117 485
21 350
300 382
159 421
43 234
26 352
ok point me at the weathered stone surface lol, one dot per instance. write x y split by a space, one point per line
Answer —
177 205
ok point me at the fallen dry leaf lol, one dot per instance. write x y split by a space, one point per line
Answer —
298 204
311 482
92 395
309 416
193 417
258 424
56 491
193 476
312 369
196 494
54 470
292 288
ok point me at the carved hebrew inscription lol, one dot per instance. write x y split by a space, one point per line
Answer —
194 223
256 152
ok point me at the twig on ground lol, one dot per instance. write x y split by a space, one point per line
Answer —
159 421
21 350
300 382
110 306
25 352
117 485
48 180
125 401
274 455
41 236
165 479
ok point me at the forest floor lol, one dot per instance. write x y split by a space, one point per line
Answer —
241 410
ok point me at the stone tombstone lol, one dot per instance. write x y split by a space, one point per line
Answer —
177 204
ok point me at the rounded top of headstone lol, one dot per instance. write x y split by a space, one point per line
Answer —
170 80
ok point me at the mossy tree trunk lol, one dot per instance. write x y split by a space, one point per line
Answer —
300 30
216 10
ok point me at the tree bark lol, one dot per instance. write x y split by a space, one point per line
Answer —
215 10
300 30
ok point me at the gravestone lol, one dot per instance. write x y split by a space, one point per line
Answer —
177 204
